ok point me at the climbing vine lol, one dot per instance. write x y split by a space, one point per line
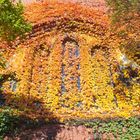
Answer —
70 65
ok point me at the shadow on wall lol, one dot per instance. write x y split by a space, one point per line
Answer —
31 109
48 132
3 79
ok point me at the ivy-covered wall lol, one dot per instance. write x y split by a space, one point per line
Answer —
69 65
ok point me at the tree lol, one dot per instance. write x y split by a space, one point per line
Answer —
12 22
125 15
12 26
124 10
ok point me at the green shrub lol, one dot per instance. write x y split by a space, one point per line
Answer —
8 122
12 124
124 129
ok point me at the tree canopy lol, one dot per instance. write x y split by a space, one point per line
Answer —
125 15
12 22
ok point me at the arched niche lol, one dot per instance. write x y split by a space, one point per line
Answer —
70 65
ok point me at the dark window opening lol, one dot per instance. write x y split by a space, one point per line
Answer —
13 85
70 46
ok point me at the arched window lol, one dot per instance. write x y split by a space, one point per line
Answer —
70 65
13 85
